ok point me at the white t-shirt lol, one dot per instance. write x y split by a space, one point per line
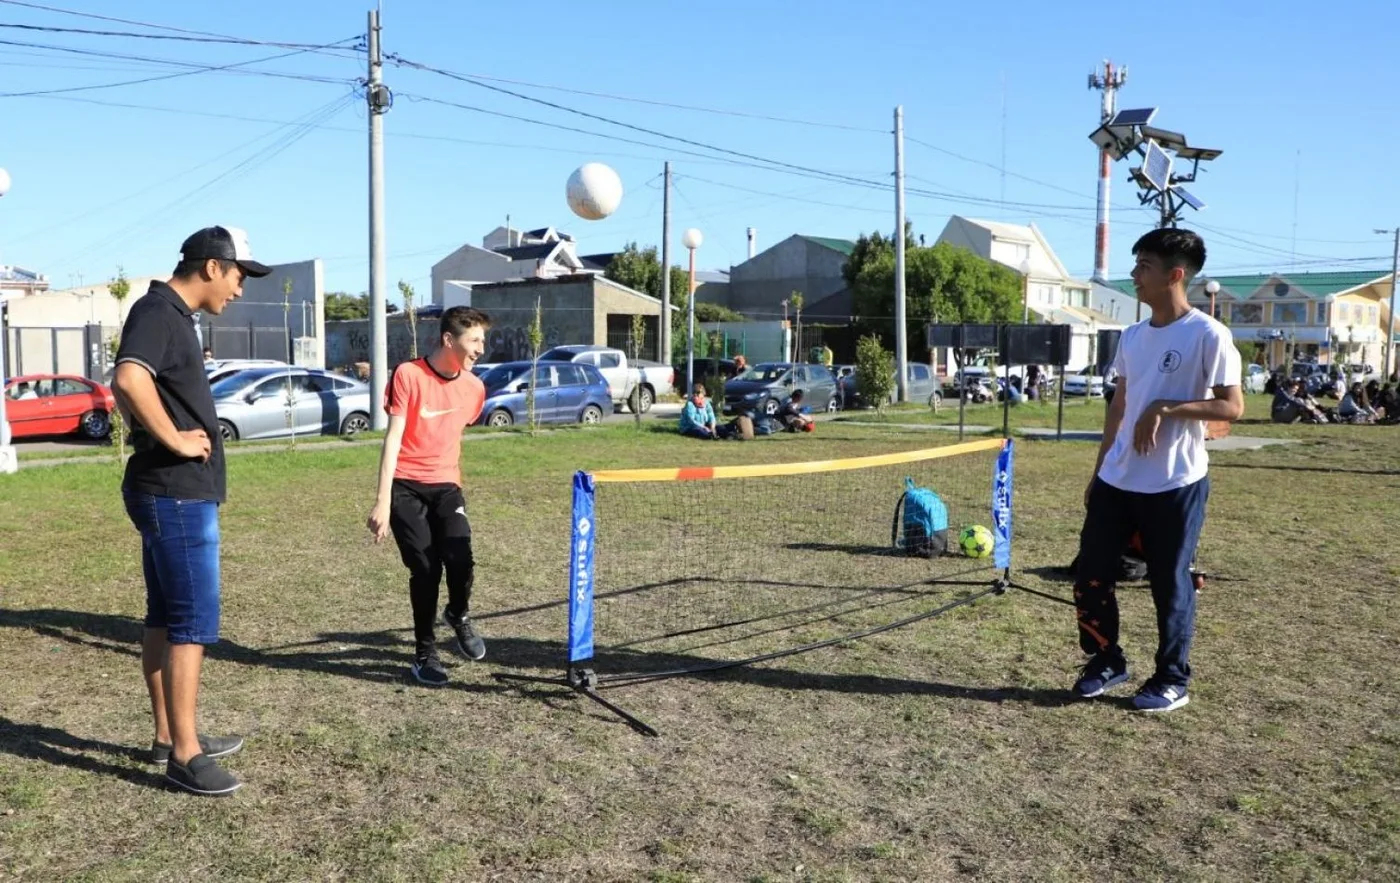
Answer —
1179 362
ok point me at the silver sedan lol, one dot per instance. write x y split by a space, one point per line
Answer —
277 402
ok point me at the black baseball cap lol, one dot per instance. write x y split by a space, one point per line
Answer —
223 244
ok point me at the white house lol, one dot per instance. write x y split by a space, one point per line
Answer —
1052 294
505 255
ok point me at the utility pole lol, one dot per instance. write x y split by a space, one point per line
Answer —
665 344
379 100
1109 82
901 342
1388 330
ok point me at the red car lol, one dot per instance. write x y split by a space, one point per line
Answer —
58 404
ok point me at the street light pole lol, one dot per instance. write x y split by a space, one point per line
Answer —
691 240
8 461
1388 332
1025 292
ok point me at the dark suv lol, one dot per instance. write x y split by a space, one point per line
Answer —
765 387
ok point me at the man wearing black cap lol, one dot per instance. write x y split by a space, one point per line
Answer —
173 487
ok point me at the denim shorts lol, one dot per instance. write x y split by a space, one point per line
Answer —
180 558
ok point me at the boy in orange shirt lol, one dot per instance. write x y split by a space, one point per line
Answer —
430 402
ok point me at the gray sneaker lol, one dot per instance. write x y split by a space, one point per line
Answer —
468 641
210 746
201 776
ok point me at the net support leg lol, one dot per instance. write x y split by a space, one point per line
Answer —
585 682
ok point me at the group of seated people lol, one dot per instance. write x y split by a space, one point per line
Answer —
698 418
1371 403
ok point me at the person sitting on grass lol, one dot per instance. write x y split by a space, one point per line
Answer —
1290 406
790 416
698 415
1355 407
1387 403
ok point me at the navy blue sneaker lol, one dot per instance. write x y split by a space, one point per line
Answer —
1158 696
1102 672
427 668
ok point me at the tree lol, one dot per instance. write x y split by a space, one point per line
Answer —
715 313
943 283
289 403
536 340
874 372
406 291
341 306
640 269
120 289
796 300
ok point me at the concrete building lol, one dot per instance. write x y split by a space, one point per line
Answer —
19 282
70 331
584 308
812 265
504 255
1052 294
1339 317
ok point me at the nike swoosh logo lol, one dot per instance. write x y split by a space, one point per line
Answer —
462 511
425 413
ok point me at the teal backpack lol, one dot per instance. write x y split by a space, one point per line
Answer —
924 519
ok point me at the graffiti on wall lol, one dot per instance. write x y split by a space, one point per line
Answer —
511 343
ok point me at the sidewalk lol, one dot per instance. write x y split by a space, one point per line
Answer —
1228 443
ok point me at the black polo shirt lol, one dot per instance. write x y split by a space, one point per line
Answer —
159 336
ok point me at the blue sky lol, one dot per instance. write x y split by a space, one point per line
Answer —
1300 97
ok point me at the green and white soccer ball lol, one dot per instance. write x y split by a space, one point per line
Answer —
975 541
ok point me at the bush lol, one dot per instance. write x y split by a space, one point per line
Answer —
874 372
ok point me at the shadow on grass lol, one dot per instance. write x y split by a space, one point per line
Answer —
61 748
1323 469
382 657
379 657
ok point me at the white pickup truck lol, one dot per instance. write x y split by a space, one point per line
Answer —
628 379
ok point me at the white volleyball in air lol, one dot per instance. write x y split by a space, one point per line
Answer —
595 191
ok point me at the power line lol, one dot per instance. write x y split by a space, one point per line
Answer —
158 77
635 128
756 161
297 130
127 21
174 62
652 102
237 41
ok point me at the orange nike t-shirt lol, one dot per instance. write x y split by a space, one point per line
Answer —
435 409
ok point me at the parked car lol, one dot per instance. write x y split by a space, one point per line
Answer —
706 367
565 392
58 404
766 386
625 377
218 370
1083 382
253 403
922 385
1255 378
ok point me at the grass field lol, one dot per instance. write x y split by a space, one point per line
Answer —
947 750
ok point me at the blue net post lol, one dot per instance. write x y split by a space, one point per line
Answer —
583 541
1002 492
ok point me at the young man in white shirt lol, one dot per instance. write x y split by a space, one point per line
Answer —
1176 370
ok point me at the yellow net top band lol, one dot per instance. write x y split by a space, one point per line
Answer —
766 470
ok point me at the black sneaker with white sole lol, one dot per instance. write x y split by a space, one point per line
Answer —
427 669
201 776
210 746
468 641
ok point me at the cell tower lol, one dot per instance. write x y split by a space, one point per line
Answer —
1108 82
